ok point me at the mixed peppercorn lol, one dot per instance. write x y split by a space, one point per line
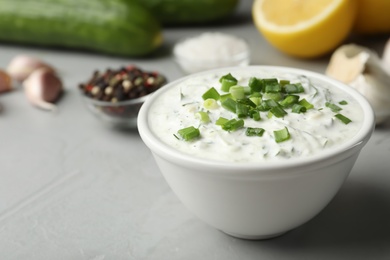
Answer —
115 87
123 84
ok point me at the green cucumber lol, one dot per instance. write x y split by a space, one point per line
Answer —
117 27
180 12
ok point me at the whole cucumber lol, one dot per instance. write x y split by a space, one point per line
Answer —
118 27
181 12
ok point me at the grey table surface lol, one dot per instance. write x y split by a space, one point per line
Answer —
72 188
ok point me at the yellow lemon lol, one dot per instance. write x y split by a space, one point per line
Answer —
373 16
304 28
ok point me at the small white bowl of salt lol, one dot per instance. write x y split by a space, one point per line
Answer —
211 50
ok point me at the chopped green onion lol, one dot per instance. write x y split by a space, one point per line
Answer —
296 108
289 100
237 92
210 104
247 90
306 104
225 96
270 81
189 133
263 106
255 100
227 81
266 105
269 115
281 135
293 88
255 84
333 107
211 93
241 110
343 119
278 111
203 116
260 95
229 104
254 131
272 86
255 115
233 125
272 103
274 96
256 94
221 121
247 102
283 82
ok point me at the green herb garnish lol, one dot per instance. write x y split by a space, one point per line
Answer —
293 88
233 125
229 104
254 131
306 104
255 84
227 81
281 135
297 108
189 133
333 107
276 98
203 116
343 119
211 93
237 92
210 104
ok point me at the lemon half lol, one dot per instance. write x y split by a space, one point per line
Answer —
304 28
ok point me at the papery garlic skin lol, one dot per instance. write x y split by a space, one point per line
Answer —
43 87
21 66
5 82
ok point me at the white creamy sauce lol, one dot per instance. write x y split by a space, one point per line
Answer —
311 132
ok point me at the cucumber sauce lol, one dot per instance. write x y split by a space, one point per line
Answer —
311 132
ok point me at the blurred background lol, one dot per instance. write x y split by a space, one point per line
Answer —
72 187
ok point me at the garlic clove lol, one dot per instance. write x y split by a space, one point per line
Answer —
386 57
375 95
363 70
21 66
5 82
347 63
43 88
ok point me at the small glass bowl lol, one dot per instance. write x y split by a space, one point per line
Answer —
115 96
195 64
121 114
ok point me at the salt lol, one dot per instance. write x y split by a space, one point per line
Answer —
211 50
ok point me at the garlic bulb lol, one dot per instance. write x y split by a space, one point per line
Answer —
21 66
362 69
43 87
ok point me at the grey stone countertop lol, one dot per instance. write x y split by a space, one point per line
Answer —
72 188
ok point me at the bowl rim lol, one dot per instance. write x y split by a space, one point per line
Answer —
133 101
335 154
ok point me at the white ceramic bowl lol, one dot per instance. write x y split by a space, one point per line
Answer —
258 201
